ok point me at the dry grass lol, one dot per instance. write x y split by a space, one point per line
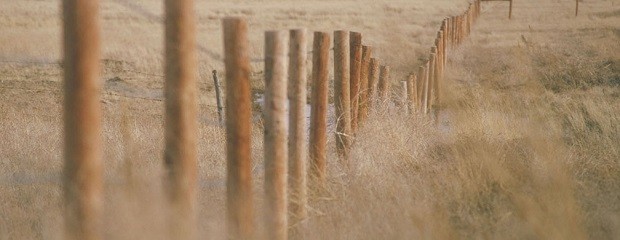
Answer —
526 146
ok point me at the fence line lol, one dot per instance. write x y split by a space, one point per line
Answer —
359 81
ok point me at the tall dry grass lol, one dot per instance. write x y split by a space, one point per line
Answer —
526 147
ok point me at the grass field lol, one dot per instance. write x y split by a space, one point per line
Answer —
528 145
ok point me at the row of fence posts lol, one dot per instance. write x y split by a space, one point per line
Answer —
360 82
421 90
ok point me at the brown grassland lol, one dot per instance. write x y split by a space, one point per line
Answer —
527 145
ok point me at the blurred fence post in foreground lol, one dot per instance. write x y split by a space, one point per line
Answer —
297 120
83 170
181 123
239 204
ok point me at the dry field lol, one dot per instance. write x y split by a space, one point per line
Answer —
527 147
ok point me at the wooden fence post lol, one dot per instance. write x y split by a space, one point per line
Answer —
384 84
435 80
430 82
83 171
276 127
576 7
356 67
459 28
218 97
455 32
420 87
440 66
364 81
373 79
342 92
403 97
412 92
318 124
444 40
181 122
510 10
297 120
239 203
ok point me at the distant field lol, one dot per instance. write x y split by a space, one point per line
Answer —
528 148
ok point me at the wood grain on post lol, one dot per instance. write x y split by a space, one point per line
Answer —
356 68
298 196
181 120
318 118
373 79
276 128
239 203
364 81
420 87
342 92
384 84
83 171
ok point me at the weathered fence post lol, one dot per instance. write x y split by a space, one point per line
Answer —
430 82
412 92
384 84
239 203
83 180
320 91
439 66
435 80
218 97
181 123
342 92
403 97
420 87
373 79
276 128
364 81
510 10
356 67
444 40
297 120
